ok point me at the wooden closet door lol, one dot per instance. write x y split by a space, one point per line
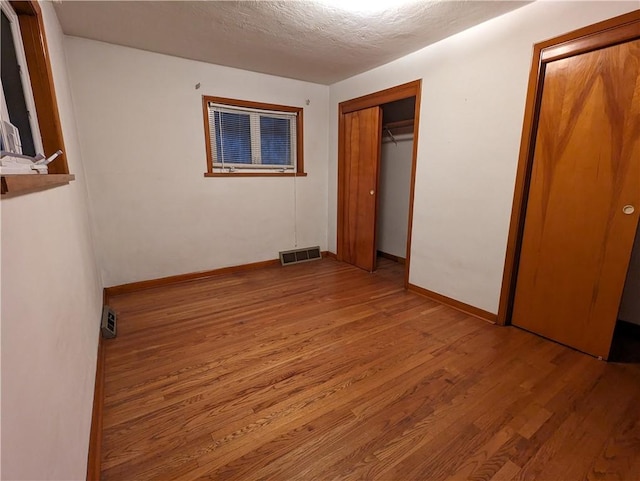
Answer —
363 139
578 234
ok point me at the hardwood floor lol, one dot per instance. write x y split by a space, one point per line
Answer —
321 371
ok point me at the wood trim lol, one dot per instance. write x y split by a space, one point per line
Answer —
193 276
207 136
25 7
592 42
603 34
376 209
299 111
460 306
521 191
95 438
250 104
112 291
605 28
300 144
255 174
412 188
41 75
341 187
407 90
18 184
391 257
392 94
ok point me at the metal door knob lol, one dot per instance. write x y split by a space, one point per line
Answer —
371 192
628 209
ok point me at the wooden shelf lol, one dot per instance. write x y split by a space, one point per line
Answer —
17 184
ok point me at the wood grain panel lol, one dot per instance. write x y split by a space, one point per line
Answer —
363 131
598 35
323 371
577 240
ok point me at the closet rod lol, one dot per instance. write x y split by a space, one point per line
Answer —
398 124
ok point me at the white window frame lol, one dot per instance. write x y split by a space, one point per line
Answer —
8 10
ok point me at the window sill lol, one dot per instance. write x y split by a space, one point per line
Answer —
18 184
255 174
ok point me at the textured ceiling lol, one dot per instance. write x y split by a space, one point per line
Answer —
306 40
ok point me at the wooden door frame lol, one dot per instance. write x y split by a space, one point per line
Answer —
377 99
603 34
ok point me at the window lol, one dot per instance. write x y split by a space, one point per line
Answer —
17 106
250 138
39 106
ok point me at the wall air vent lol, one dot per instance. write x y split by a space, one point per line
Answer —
300 255
108 325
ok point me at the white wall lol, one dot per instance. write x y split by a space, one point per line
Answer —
393 202
51 304
142 135
473 95
630 305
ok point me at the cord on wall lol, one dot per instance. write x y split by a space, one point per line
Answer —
295 212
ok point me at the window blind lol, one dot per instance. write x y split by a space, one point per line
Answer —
252 138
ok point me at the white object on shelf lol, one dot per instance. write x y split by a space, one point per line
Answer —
11 163
14 165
